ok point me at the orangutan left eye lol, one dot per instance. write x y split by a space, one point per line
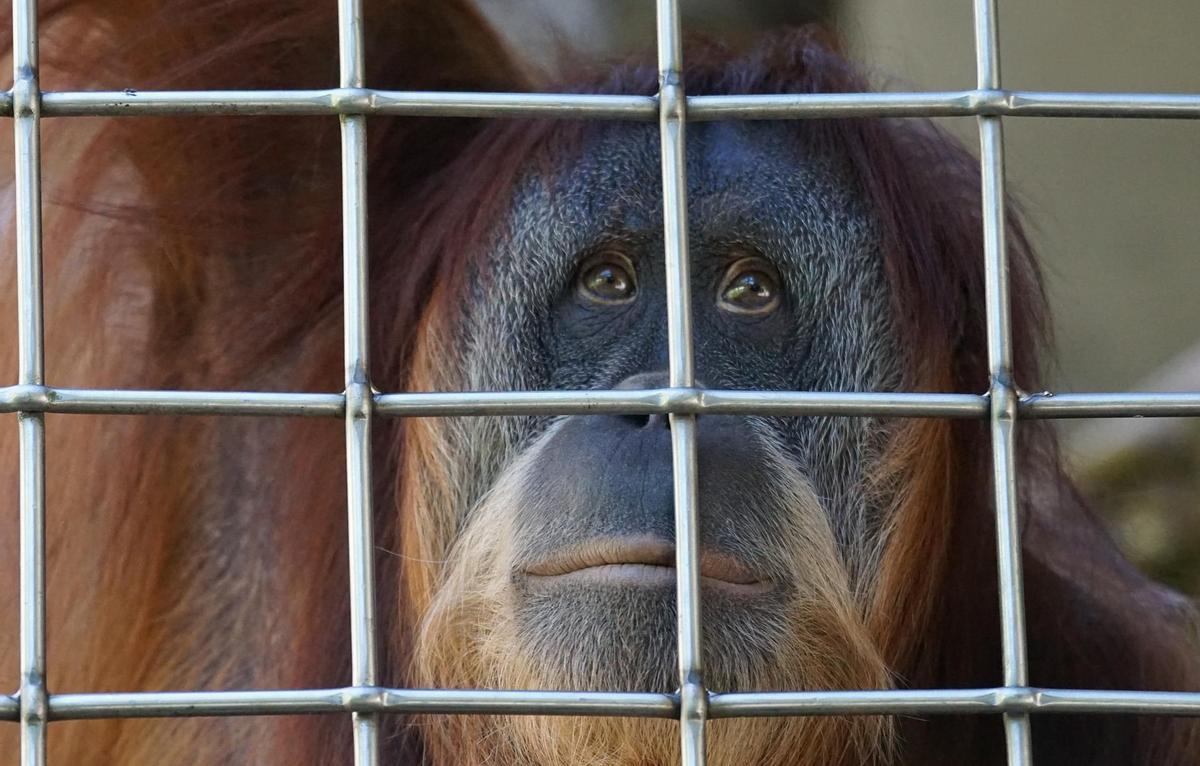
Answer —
750 286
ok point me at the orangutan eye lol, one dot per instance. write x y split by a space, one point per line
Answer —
750 286
607 278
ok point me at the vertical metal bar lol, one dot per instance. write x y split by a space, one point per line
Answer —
1003 404
27 141
672 106
359 400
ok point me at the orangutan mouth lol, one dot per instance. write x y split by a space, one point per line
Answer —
640 562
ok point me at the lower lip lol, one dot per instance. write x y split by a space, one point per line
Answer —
644 576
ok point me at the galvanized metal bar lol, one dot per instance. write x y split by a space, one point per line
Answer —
575 402
682 401
780 106
33 693
359 396
672 128
1048 406
920 702
351 101
362 700
1086 701
30 371
964 103
1003 393
656 401
1004 406
1158 106
28 398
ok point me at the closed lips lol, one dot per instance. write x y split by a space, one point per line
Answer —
636 562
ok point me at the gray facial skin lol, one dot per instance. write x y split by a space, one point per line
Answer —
786 498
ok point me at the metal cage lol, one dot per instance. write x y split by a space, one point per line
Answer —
33 707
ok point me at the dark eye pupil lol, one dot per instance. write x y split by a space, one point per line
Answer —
608 281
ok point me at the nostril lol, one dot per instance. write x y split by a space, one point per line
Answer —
652 420
637 421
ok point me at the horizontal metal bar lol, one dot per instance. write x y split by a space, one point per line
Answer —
129 402
349 101
685 401
359 700
786 106
954 702
1123 105
644 705
1123 405
1129 703
964 103
449 404
334 101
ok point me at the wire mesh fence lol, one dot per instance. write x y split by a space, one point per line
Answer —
1004 407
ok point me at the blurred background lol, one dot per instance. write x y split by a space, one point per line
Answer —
1113 205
